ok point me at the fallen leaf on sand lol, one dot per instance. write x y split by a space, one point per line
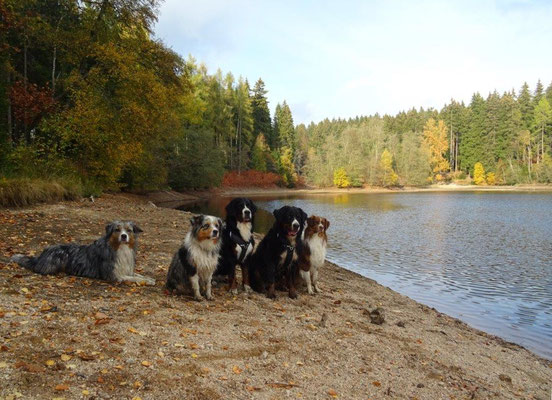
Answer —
278 385
50 363
3 364
146 363
61 387
376 383
65 357
332 393
236 369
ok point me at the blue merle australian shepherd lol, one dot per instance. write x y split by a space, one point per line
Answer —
112 257
276 255
237 242
193 265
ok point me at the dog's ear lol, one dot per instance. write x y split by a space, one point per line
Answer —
110 228
135 228
197 220
326 223
277 213
251 205
220 224
229 208
303 216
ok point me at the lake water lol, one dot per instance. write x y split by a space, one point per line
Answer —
485 258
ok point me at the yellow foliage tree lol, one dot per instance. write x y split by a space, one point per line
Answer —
479 174
287 169
436 141
341 180
388 176
491 178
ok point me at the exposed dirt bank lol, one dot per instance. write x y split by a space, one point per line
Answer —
66 337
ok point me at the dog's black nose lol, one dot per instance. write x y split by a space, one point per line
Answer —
215 232
124 236
295 225
247 213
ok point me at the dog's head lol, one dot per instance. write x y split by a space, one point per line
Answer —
290 221
122 232
206 227
241 209
316 226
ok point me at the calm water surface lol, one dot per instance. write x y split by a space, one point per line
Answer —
485 258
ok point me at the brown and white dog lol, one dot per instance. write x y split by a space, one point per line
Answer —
313 252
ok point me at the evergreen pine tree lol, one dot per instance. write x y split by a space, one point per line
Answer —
261 113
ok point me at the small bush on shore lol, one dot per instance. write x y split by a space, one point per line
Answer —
20 192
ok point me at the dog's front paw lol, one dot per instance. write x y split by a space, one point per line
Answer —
247 289
234 292
198 298
310 291
317 289
271 295
150 281
293 294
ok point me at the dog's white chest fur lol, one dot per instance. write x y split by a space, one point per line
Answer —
203 256
124 261
245 231
317 247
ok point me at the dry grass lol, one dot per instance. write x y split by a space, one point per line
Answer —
24 192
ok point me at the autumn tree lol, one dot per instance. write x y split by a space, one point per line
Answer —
436 140
340 178
388 175
479 174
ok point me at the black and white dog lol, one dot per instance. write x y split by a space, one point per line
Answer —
276 254
237 242
111 258
193 265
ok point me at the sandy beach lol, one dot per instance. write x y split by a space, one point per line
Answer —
67 337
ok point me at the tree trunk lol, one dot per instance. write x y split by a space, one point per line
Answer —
25 133
54 71
10 128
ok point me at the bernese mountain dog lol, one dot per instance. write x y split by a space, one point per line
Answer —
112 257
193 265
313 251
237 242
276 255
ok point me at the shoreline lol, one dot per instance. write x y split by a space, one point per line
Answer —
171 199
432 188
233 347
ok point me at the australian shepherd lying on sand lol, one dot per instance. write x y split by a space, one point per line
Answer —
276 254
111 257
313 251
193 265
237 242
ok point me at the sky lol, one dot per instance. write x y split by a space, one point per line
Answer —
340 59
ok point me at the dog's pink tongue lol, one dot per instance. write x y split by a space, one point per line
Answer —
292 233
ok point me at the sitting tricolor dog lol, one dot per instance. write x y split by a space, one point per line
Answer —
276 255
193 265
237 242
111 257
313 252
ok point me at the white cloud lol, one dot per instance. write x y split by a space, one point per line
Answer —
350 58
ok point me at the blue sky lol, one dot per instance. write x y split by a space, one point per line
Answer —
331 59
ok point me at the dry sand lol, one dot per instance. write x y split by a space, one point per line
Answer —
67 337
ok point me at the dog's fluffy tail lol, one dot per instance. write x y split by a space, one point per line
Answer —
24 261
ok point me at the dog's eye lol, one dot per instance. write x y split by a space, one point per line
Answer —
206 226
117 229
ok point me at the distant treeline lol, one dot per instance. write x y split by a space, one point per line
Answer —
89 96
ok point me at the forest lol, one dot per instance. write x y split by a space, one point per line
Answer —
91 100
